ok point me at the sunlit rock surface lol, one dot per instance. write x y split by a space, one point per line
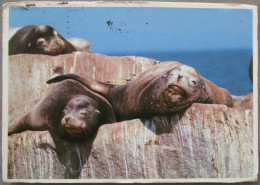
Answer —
205 141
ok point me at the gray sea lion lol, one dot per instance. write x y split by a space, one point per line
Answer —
69 109
41 39
163 89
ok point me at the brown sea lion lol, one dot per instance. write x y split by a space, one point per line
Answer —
39 39
250 69
69 109
162 89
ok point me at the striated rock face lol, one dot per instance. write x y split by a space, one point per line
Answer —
205 141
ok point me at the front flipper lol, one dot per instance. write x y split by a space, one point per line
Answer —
64 77
94 85
20 126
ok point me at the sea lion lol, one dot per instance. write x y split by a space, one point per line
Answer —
163 89
69 109
250 69
41 39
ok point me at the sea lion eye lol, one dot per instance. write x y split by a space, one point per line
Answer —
84 113
41 41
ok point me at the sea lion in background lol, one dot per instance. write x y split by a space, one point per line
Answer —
41 39
70 110
246 101
250 69
78 43
163 89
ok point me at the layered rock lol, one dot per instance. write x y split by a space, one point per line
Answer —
205 141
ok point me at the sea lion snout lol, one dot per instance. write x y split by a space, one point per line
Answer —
73 125
55 46
183 76
80 114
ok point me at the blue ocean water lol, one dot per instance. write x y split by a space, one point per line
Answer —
227 68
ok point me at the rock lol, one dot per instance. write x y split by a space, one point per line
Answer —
207 141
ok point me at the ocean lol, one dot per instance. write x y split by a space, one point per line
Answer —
226 68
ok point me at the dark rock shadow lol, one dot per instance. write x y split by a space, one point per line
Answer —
73 155
163 124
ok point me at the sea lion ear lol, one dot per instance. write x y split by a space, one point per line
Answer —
97 111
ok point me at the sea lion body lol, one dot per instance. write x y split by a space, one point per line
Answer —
41 39
70 109
165 88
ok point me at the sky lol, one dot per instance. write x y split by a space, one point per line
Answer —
205 38
148 29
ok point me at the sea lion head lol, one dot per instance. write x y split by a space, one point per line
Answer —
44 39
80 117
174 90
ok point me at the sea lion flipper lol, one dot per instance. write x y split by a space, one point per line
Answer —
96 86
19 126
64 77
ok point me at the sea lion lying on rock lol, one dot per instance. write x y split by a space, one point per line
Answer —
41 39
163 89
78 44
69 109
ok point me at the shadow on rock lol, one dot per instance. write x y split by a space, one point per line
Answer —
72 155
163 124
